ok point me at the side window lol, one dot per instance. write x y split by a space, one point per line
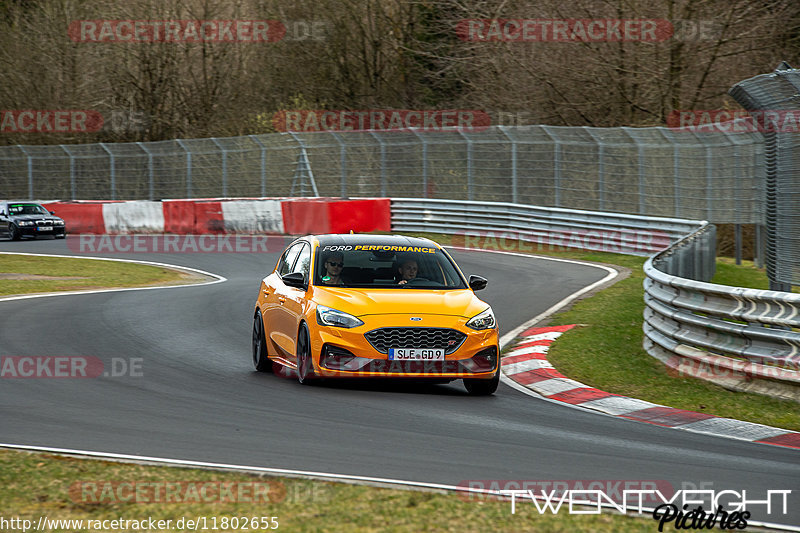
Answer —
303 261
287 261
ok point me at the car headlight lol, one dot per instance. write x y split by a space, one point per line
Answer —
59 222
483 320
26 223
333 317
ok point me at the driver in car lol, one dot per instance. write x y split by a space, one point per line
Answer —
333 269
408 270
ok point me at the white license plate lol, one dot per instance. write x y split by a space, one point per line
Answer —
416 354
44 228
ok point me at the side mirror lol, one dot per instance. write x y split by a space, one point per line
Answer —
295 279
52 212
477 283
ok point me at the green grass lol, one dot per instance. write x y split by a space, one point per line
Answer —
606 350
86 274
37 485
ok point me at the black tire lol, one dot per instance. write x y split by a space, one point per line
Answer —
305 366
13 232
482 387
260 359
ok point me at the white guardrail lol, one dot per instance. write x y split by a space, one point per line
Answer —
742 339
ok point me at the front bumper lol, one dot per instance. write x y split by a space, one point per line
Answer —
339 352
38 231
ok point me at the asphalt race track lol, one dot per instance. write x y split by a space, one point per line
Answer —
198 397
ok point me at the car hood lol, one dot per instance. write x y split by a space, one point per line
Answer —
362 302
35 217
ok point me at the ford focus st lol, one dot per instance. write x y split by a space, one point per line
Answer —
360 306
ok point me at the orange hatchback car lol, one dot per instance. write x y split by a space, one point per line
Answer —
382 306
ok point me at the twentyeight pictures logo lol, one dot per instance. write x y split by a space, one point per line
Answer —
176 31
50 121
381 119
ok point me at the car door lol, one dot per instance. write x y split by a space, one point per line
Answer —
273 297
292 303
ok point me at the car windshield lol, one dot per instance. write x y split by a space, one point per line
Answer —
26 209
385 266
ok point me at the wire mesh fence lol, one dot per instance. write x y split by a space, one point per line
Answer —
778 94
649 171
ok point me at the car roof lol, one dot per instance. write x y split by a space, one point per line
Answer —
352 239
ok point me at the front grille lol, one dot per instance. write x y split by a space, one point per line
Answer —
446 339
44 222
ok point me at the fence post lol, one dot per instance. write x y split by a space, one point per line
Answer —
640 168
470 192
30 171
556 165
424 162
150 172
263 164
188 168
514 196
383 162
71 172
601 168
303 168
113 166
709 182
224 167
342 164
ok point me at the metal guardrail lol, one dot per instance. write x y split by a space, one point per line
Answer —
543 226
743 339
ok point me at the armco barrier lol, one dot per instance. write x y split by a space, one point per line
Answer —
475 222
742 339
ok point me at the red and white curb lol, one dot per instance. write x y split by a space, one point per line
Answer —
526 365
